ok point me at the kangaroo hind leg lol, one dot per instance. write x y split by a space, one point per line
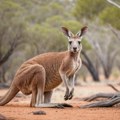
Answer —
38 94
34 96
38 85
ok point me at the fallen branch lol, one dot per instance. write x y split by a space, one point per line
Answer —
107 103
99 95
113 98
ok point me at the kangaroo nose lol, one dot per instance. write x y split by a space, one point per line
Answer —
74 48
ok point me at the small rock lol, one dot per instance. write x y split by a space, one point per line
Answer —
39 113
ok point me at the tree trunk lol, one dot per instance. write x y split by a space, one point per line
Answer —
87 62
107 72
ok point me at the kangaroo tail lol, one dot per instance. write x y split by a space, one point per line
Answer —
9 95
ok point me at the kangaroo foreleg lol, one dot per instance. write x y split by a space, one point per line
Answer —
72 89
68 93
65 79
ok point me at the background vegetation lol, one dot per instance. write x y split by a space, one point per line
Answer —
31 27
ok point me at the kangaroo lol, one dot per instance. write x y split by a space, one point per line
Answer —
41 74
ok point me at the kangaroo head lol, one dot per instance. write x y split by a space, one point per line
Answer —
74 39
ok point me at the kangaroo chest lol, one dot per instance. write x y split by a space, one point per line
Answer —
75 66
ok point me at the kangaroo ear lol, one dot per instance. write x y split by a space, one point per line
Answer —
82 32
78 34
67 32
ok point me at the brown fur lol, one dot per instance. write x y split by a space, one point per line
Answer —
41 74
45 66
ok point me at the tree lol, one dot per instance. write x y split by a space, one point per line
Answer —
111 15
11 32
89 65
106 52
88 9
103 44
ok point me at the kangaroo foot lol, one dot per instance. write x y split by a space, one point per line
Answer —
69 95
50 105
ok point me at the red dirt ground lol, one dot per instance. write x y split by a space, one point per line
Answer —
18 108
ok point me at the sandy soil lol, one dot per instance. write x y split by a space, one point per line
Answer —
18 108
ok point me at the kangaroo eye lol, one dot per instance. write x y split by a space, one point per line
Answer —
70 42
79 42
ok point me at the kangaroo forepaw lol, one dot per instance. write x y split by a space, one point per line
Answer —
71 94
66 97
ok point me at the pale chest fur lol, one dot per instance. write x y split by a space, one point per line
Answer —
76 65
70 66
